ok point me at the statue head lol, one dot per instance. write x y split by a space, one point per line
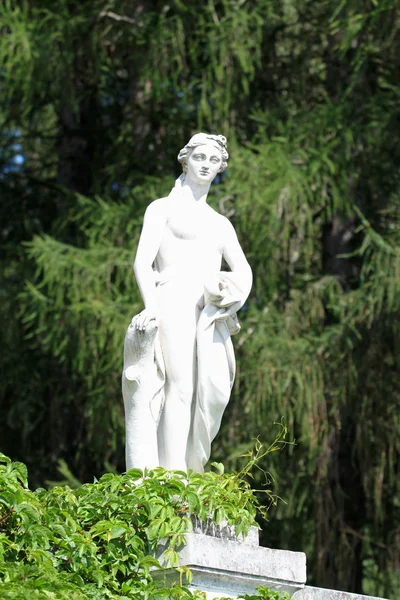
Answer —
202 139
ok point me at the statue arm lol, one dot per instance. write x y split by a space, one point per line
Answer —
149 243
234 256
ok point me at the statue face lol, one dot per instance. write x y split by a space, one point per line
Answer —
203 164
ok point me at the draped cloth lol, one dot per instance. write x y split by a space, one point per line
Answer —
216 369
143 377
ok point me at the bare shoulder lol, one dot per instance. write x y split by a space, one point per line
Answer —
157 205
157 209
226 227
222 222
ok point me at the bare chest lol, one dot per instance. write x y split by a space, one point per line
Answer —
193 225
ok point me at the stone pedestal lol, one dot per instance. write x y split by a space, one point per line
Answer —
222 566
314 593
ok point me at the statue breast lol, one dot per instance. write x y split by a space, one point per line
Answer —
186 226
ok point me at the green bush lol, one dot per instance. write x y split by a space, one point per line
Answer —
99 541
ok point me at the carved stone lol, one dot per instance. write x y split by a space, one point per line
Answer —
222 566
179 364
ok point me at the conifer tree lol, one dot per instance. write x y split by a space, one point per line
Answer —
96 100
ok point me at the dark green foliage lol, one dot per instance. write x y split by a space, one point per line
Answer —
99 97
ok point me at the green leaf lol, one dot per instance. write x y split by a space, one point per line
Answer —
116 532
134 474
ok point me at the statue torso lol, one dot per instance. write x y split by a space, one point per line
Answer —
192 237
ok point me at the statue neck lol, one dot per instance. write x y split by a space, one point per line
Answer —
194 191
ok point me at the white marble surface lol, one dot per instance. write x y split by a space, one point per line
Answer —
223 567
227 568
314 593
190 314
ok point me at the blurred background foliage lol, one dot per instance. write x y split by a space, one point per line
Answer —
96 99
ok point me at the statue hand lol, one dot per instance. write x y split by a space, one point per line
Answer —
216 291
146 319
228 311
222 295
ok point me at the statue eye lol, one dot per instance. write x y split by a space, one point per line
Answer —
215 159
199 156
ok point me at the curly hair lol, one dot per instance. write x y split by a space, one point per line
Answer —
199 139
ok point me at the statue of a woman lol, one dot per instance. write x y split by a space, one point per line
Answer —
179 363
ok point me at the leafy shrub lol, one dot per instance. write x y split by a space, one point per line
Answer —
99 541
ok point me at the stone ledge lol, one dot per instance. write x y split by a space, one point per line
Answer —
218 582
314 593
230 567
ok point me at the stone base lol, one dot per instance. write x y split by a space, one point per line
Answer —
223 567
314 593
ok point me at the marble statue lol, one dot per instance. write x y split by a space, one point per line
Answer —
179 364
